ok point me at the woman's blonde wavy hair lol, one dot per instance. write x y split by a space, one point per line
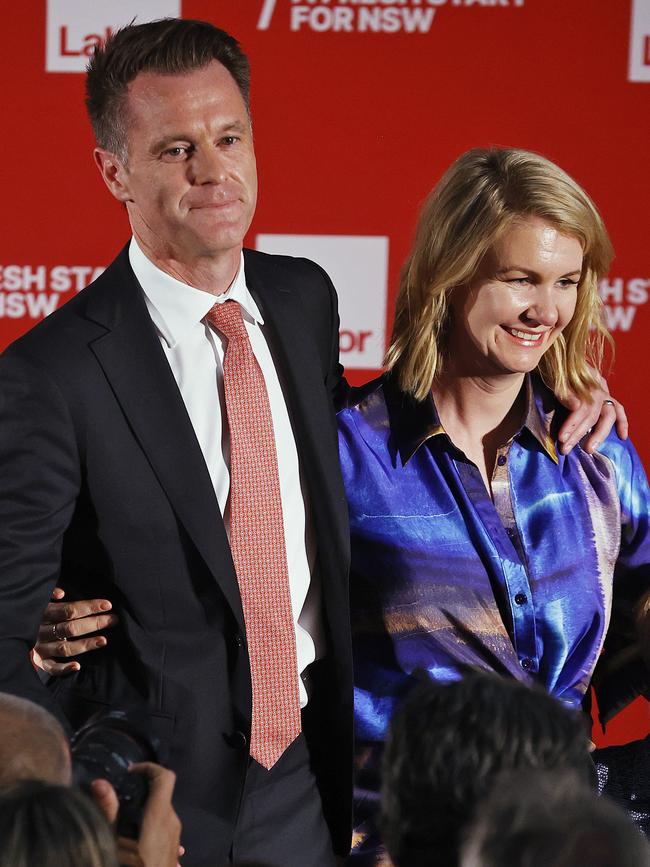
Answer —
476 200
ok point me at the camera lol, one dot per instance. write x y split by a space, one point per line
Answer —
104 748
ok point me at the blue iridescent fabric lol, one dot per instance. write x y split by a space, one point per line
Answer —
444 577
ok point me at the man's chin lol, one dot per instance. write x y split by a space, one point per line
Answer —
209 241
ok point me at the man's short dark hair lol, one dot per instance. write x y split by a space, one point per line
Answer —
551 819
169 46
447 744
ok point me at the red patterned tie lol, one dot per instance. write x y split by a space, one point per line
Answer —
257 543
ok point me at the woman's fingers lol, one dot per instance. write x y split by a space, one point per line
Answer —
593 421
58 612
69 629
612 412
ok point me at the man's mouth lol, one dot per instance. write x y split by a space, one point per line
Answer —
223 203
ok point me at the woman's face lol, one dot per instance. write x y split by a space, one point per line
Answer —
522 298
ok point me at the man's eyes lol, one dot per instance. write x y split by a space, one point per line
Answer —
181 152
178 152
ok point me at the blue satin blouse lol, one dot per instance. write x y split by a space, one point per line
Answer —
443 576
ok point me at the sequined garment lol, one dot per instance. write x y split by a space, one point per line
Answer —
444 577
624 775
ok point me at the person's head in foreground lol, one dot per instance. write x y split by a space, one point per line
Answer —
33 743
44 825
551 819
502 277
447 744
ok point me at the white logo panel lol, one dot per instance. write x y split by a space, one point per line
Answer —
640 41
75 27
358 266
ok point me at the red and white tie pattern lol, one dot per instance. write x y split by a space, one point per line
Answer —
257 543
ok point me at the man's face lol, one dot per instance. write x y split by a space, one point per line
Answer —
190 185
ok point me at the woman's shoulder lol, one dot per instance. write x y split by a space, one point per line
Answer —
365 406
618 451
621 453
364 422
358 395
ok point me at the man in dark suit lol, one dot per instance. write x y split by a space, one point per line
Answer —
161 453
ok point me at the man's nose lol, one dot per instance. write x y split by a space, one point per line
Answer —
208 166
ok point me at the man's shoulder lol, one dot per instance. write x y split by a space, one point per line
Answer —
69 323
283 269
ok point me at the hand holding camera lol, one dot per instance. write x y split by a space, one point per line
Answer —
112 758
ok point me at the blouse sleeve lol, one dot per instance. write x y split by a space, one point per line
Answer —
623 671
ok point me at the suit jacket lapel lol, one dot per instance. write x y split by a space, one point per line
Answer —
301 373
295 359
143 383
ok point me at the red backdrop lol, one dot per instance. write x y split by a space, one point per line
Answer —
358 106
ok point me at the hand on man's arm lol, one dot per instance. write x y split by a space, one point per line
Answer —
69 629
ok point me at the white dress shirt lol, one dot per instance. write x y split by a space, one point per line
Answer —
195 353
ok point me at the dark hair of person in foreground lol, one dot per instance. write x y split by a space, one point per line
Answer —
551 819
45 825
447 744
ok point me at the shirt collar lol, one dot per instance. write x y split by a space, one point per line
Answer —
413 422
176 307
540 413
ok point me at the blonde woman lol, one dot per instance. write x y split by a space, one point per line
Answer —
474 540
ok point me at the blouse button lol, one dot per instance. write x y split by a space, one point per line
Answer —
526 664
501 460
521 599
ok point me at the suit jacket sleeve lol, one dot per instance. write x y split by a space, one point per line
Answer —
336 381
39 483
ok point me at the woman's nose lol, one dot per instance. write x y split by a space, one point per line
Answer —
542 308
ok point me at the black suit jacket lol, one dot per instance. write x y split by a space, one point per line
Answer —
104 490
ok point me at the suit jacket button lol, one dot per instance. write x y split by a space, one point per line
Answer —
239 641
239 739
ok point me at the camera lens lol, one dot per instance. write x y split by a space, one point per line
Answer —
105 748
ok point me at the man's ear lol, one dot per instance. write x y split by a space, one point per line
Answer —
114 174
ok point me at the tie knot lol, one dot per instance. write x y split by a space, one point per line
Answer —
227 317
